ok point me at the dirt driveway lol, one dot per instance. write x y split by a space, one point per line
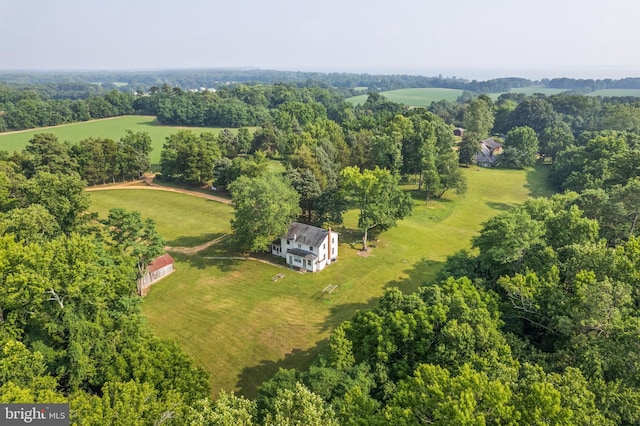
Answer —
148 185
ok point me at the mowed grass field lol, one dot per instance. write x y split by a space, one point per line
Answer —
413 97
242 326
615 92
424 97
113 128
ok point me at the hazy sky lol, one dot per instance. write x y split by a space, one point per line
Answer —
467 38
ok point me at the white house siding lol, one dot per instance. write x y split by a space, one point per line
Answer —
151 278
299 253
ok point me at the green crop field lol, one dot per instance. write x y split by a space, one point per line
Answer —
112 128
424 97
530 90
414 97
242 326
615 92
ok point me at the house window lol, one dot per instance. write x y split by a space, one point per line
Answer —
324 247
297 260
333 250
299 245
287 242
310 248
333 240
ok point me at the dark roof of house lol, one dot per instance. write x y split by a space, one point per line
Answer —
306 234
160 262
485 156
302 253
492 143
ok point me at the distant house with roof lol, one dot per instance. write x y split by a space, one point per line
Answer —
489 150
307 247
158 269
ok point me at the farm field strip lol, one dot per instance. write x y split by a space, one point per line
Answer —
425 96
113 128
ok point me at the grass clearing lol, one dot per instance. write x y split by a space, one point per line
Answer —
414 97
241 326
530 90
615 92
182 220
425 96
113 128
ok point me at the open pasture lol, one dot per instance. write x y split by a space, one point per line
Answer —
530 90
414 97
241 325
424 97
182 220
112 128
615 92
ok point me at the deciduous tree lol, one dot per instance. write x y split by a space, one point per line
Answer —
264 208
377 195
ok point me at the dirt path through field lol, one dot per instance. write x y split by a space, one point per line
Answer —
149 185
193 250
146 184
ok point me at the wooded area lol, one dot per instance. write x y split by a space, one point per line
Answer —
539 324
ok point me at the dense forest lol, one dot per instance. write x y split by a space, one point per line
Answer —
539 324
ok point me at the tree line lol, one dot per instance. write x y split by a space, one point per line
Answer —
28 108
135 81
95 160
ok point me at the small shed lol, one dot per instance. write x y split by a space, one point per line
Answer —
158 269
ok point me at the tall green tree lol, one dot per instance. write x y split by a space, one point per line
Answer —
300 407
377 195
264 208
134 150
62 196
135 237
478 118
188 157
469 148
520 148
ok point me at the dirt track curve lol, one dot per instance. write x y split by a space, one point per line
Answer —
145 184
189 251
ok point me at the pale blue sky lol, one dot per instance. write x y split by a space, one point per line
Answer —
466 38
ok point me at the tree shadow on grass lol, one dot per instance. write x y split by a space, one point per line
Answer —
250 378
192 241
538 181
200 262
341 312
500 206
419 274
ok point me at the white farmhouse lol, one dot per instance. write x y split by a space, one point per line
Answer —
307 247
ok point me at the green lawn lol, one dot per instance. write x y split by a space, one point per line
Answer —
183 220
113 128
241 326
